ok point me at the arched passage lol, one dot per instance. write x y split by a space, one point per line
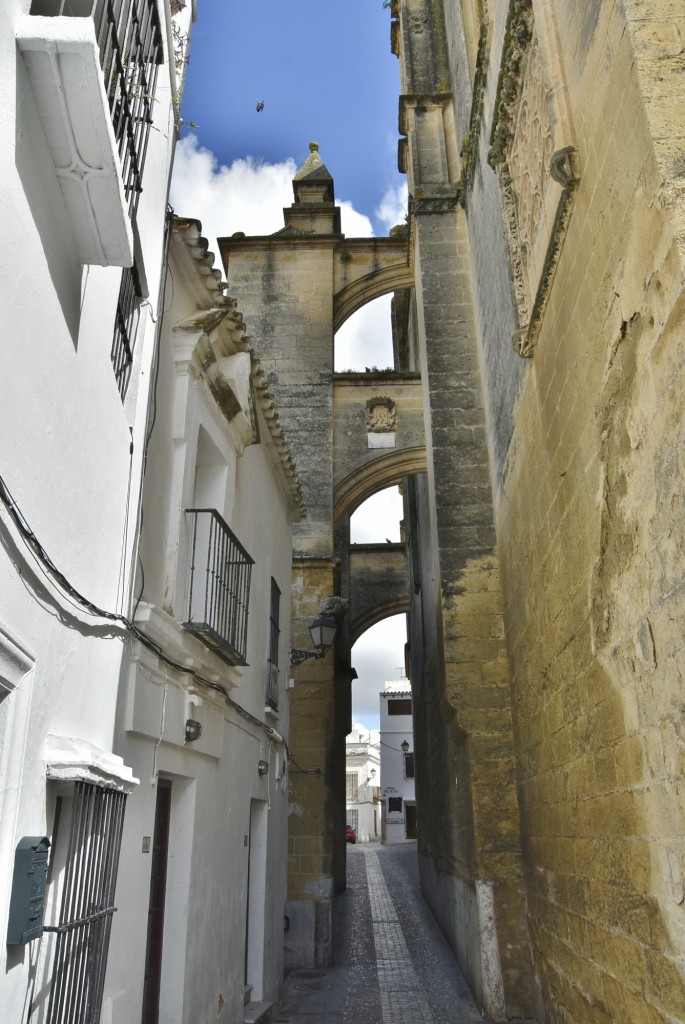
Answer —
385 470
365 269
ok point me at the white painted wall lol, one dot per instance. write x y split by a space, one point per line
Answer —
362 759
65 455
394 730
212 840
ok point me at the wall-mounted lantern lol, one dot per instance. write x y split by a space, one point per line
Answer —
263 767
322 631
405 746
193 730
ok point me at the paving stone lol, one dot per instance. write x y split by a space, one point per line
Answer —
393 965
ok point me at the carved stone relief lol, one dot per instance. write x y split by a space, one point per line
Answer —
381 423
537 176
418 22
381 416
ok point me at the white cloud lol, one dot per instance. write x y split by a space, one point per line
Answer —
378 656
393 206
246 196
366 338
354 224
378 518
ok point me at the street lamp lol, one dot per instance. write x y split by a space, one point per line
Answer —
322 631
405 746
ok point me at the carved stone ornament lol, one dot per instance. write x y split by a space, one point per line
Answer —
537 179
418 22
381 416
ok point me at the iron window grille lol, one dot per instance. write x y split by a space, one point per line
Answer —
351 788
78 973
274 636
129 39
125 327
219 587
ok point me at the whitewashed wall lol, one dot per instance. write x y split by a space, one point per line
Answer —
215 780
394 730
65 456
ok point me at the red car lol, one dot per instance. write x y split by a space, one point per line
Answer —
350 834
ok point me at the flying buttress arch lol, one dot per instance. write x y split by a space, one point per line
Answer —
386 470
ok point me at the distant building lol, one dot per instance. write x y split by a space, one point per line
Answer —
362 785
397 762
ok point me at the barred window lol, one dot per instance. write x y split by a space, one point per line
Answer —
394 804
125 327
87 904
352 818
351 788
274 636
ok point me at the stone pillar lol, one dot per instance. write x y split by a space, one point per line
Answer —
308 941
469 841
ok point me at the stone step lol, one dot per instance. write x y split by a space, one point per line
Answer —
257 1013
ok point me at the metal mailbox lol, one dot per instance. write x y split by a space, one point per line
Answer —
27 903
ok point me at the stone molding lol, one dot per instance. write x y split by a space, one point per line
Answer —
15 663
220 332
419 205
469 150
537 177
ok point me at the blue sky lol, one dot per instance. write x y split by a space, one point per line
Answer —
324 72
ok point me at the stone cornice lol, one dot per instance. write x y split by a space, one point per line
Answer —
409 101
441 200
228 322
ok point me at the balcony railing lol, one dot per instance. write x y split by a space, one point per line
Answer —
129 40
220 570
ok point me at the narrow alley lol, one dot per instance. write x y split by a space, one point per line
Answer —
393 965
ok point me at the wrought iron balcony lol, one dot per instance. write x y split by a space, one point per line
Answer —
220 570
93 69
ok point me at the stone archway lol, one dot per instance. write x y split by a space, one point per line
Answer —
351 435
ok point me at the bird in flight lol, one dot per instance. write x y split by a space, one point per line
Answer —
260 106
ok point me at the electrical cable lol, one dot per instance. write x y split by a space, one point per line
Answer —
72 594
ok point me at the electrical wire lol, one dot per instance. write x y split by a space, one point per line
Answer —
46 563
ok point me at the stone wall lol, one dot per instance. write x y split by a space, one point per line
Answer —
587 453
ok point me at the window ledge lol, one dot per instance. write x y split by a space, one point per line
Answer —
63 65
76 760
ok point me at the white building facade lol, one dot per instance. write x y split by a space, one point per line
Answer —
397 762
87 131
203 875
133 694
362 785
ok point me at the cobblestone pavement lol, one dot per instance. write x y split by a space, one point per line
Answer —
392 963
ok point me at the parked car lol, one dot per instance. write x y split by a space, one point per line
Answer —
350 834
